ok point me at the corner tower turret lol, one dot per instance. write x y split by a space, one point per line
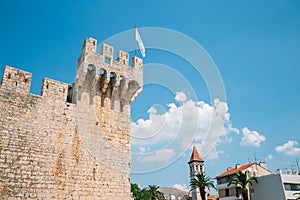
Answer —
101 96
100 75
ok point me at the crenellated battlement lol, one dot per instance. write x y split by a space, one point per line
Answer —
96 75
55 90
19 81
101 75
105 61
16 79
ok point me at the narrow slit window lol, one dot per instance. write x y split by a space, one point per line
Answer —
107 61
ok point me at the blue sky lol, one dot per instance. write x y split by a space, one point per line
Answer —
255 46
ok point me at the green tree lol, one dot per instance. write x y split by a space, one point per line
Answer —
202 182
144 194
138 193
187 198
135 191
242 180
154 193
149 193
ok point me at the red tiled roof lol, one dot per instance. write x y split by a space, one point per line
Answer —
195 155
234 170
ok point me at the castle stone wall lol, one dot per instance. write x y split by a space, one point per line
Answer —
72 141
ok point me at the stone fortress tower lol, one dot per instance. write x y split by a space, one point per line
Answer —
72 141
196 164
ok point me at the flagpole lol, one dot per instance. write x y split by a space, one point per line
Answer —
139 41
134 40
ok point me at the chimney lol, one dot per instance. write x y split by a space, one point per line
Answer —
237 166
263 164
278 171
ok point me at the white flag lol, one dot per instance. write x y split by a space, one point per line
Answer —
138 38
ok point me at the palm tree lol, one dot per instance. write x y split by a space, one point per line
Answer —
202 182
135 190
241 179
186 197
144 194
297 194
154 193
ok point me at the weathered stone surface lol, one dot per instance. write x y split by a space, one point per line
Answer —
73 141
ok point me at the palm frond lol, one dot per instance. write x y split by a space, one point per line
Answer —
241 179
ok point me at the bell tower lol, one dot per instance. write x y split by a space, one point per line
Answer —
196 164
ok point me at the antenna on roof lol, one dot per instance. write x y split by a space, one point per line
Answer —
265 159
297 162
292 168
255 159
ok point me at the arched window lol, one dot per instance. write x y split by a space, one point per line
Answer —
112 75
102 71
90 68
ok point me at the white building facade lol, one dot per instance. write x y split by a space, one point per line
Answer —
276 187
233 192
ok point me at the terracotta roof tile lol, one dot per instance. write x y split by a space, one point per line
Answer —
195 155
234 170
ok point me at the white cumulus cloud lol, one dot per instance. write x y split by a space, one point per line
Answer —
163 156
180 96
214 154
179 126
251 138
289 148
181 187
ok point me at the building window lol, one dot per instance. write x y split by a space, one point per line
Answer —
107 60
238 191
223 180
226 192
90 68
294 187
291 187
